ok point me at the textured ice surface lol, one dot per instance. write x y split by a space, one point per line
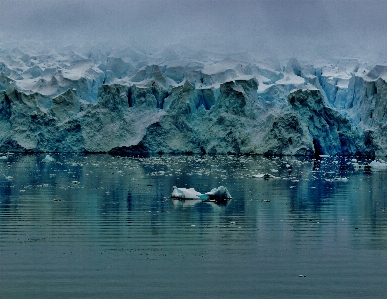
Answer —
131 102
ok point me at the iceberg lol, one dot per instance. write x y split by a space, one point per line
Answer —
216 194
185 193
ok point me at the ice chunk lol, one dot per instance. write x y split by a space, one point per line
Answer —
48 159
220 193
341 179
264 176
259 175
184 193
378 165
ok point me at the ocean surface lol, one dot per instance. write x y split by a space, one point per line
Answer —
98 226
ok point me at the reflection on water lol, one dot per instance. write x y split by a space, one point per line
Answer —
96 226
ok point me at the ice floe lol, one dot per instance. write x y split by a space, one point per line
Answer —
216 194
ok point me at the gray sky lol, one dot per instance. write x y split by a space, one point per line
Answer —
288 27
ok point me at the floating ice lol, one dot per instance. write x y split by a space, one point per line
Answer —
357 166
184 193
48 159
378 165
264 176
337 179
259 175
220 193
341 179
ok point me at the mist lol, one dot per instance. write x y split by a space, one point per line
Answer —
283 28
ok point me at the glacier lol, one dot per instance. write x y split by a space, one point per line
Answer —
130 102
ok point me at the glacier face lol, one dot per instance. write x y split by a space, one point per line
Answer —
128 102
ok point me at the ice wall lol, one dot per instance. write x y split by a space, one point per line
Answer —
217 105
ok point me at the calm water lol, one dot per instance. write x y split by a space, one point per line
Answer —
97 226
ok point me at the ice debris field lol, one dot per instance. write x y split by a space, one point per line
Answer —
78 171
132 102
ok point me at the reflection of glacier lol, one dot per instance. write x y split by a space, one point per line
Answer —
128 102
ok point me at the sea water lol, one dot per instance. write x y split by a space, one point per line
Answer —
98 226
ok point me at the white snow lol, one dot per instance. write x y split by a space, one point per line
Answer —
290 78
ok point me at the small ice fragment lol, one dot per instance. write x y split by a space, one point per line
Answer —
259 175
341 179
378 165
48 159
324 156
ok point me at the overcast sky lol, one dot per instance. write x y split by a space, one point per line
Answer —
289 27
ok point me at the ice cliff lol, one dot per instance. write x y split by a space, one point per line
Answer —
131 102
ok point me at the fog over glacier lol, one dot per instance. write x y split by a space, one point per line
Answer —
312 28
